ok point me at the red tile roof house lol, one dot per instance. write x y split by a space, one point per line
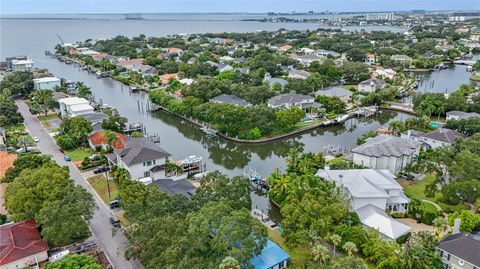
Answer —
99 139
21 245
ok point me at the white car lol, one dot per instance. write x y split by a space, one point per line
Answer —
36 139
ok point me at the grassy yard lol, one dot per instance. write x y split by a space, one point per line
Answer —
78 154
304 124
48 117
416 190
299 255
99 183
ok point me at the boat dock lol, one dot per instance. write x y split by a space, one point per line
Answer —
263 218
259 182
193 164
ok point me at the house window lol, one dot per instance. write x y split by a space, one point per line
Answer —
146 173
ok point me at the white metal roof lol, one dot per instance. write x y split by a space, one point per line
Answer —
80 107
374 217
47 79
70 101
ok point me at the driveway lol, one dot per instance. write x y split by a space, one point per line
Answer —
113 243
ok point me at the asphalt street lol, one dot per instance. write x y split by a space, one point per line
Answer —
113 243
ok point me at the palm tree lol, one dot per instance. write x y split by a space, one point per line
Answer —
395 126
336 240
229 263
111 139
440 225
350 248
440 109
83 91
320 254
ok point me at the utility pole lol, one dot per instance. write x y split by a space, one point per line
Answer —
108 184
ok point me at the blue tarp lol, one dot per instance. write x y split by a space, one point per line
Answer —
271 255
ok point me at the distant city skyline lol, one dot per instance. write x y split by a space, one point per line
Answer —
14 7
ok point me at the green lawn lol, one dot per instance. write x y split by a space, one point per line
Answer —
348 87
99 183
78 154
304 124
416 190
337 160
299 254
48 117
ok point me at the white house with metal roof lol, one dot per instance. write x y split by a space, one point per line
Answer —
461 115
48 83
289 100
371 193
386 152
74 106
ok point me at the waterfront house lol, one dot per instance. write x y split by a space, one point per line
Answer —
381 72
441 137
271 257
371 85
300 74
99 139
165 78
272 81
289 100
460 250
47 83
370 58
142 158
74 106
401 58
460 115
22 65
9 60
173 187
230 99
333 91
386 152
22 245
371 193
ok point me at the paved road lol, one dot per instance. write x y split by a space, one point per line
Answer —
113 244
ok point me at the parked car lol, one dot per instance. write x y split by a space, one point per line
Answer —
100 170
66 158
114 221
36 139
114 204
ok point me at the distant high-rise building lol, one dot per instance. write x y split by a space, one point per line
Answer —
380 16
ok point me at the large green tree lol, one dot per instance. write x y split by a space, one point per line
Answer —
75 262
48 195
26 161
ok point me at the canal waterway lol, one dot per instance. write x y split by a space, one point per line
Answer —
33 36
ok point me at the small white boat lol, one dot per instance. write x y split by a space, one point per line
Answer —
469 68
192 160
99 74
58 256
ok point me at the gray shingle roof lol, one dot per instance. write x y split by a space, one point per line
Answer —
378 82
462 114
230 99
288 98
386 145
333 91
463 245
172 187
139 150
444 135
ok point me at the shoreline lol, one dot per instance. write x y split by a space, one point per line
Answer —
234 139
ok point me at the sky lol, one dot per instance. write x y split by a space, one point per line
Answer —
204 6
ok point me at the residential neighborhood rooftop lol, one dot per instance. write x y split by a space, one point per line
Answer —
387 145
444 135
464 245
138 150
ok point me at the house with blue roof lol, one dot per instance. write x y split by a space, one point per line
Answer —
272 257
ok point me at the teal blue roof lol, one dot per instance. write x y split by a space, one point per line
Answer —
271 255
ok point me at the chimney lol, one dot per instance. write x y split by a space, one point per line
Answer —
456 226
